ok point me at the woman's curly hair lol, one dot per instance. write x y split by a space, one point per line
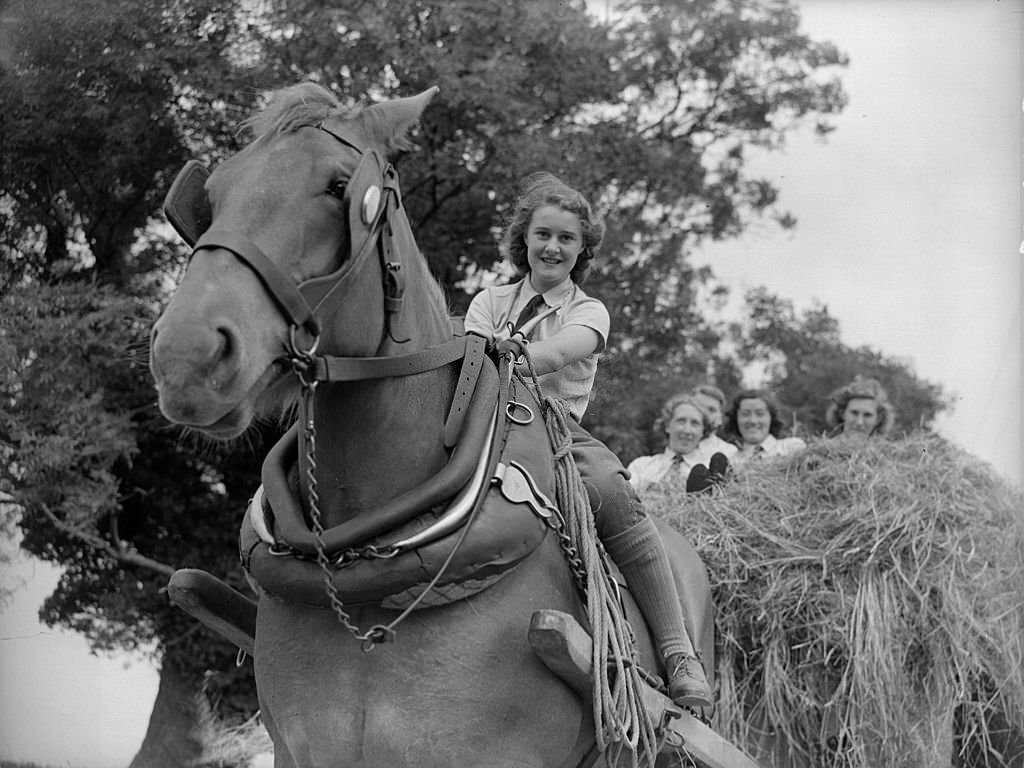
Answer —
731 426
860 389
668 411
540 189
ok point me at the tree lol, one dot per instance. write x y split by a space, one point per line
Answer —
105 99
92 124
805 361
94 94
95 465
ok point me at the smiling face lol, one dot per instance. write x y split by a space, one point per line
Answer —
685 429
554 241
754 420
860 417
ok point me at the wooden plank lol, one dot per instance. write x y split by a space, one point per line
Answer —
565 648
216 604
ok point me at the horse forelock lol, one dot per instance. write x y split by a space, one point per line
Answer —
296 107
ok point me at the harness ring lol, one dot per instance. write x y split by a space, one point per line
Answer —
293 347
511 409
302 360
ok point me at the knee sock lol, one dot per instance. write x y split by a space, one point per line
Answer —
641 557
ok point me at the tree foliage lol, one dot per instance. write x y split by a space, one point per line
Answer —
94 124
104 487
805 360
103 101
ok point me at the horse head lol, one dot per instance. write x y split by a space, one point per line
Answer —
289 259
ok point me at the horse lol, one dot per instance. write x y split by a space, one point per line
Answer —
306 292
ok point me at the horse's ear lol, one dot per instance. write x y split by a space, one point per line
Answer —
389 122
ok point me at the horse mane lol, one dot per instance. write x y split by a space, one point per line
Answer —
309 103
292 108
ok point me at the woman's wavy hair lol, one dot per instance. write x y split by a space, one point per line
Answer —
668 410
710 390
860 389
731 427
540 189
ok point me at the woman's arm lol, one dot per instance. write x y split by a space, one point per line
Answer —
572 343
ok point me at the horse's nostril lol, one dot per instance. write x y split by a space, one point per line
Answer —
225 355
228 344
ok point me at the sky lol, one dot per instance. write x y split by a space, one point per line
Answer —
909 231
909 214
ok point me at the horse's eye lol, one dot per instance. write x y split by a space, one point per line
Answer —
337 188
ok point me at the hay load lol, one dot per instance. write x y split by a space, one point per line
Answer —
870 605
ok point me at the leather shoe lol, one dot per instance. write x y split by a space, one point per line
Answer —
699 480
719 469
687 684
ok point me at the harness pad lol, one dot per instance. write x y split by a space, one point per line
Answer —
501 536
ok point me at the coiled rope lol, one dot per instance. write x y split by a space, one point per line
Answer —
622 726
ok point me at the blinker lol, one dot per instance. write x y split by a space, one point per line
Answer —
186 205
370 205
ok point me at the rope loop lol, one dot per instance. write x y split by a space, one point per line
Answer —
623 726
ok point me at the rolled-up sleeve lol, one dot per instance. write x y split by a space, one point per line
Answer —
589 313
479 316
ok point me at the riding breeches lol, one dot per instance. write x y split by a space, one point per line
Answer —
616 505
632 540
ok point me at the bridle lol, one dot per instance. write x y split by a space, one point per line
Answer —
371 200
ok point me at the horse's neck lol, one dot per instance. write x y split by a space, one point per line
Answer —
376 439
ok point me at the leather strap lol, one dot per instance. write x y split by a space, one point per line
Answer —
280 286
330 368
472 362
324 292
188 209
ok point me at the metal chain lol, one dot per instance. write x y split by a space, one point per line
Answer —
559 526
572 555
375 634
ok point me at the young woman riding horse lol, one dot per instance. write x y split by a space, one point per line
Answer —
306 290
552 238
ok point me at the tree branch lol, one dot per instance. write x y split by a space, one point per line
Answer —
122 553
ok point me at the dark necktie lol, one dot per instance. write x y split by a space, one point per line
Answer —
533 306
